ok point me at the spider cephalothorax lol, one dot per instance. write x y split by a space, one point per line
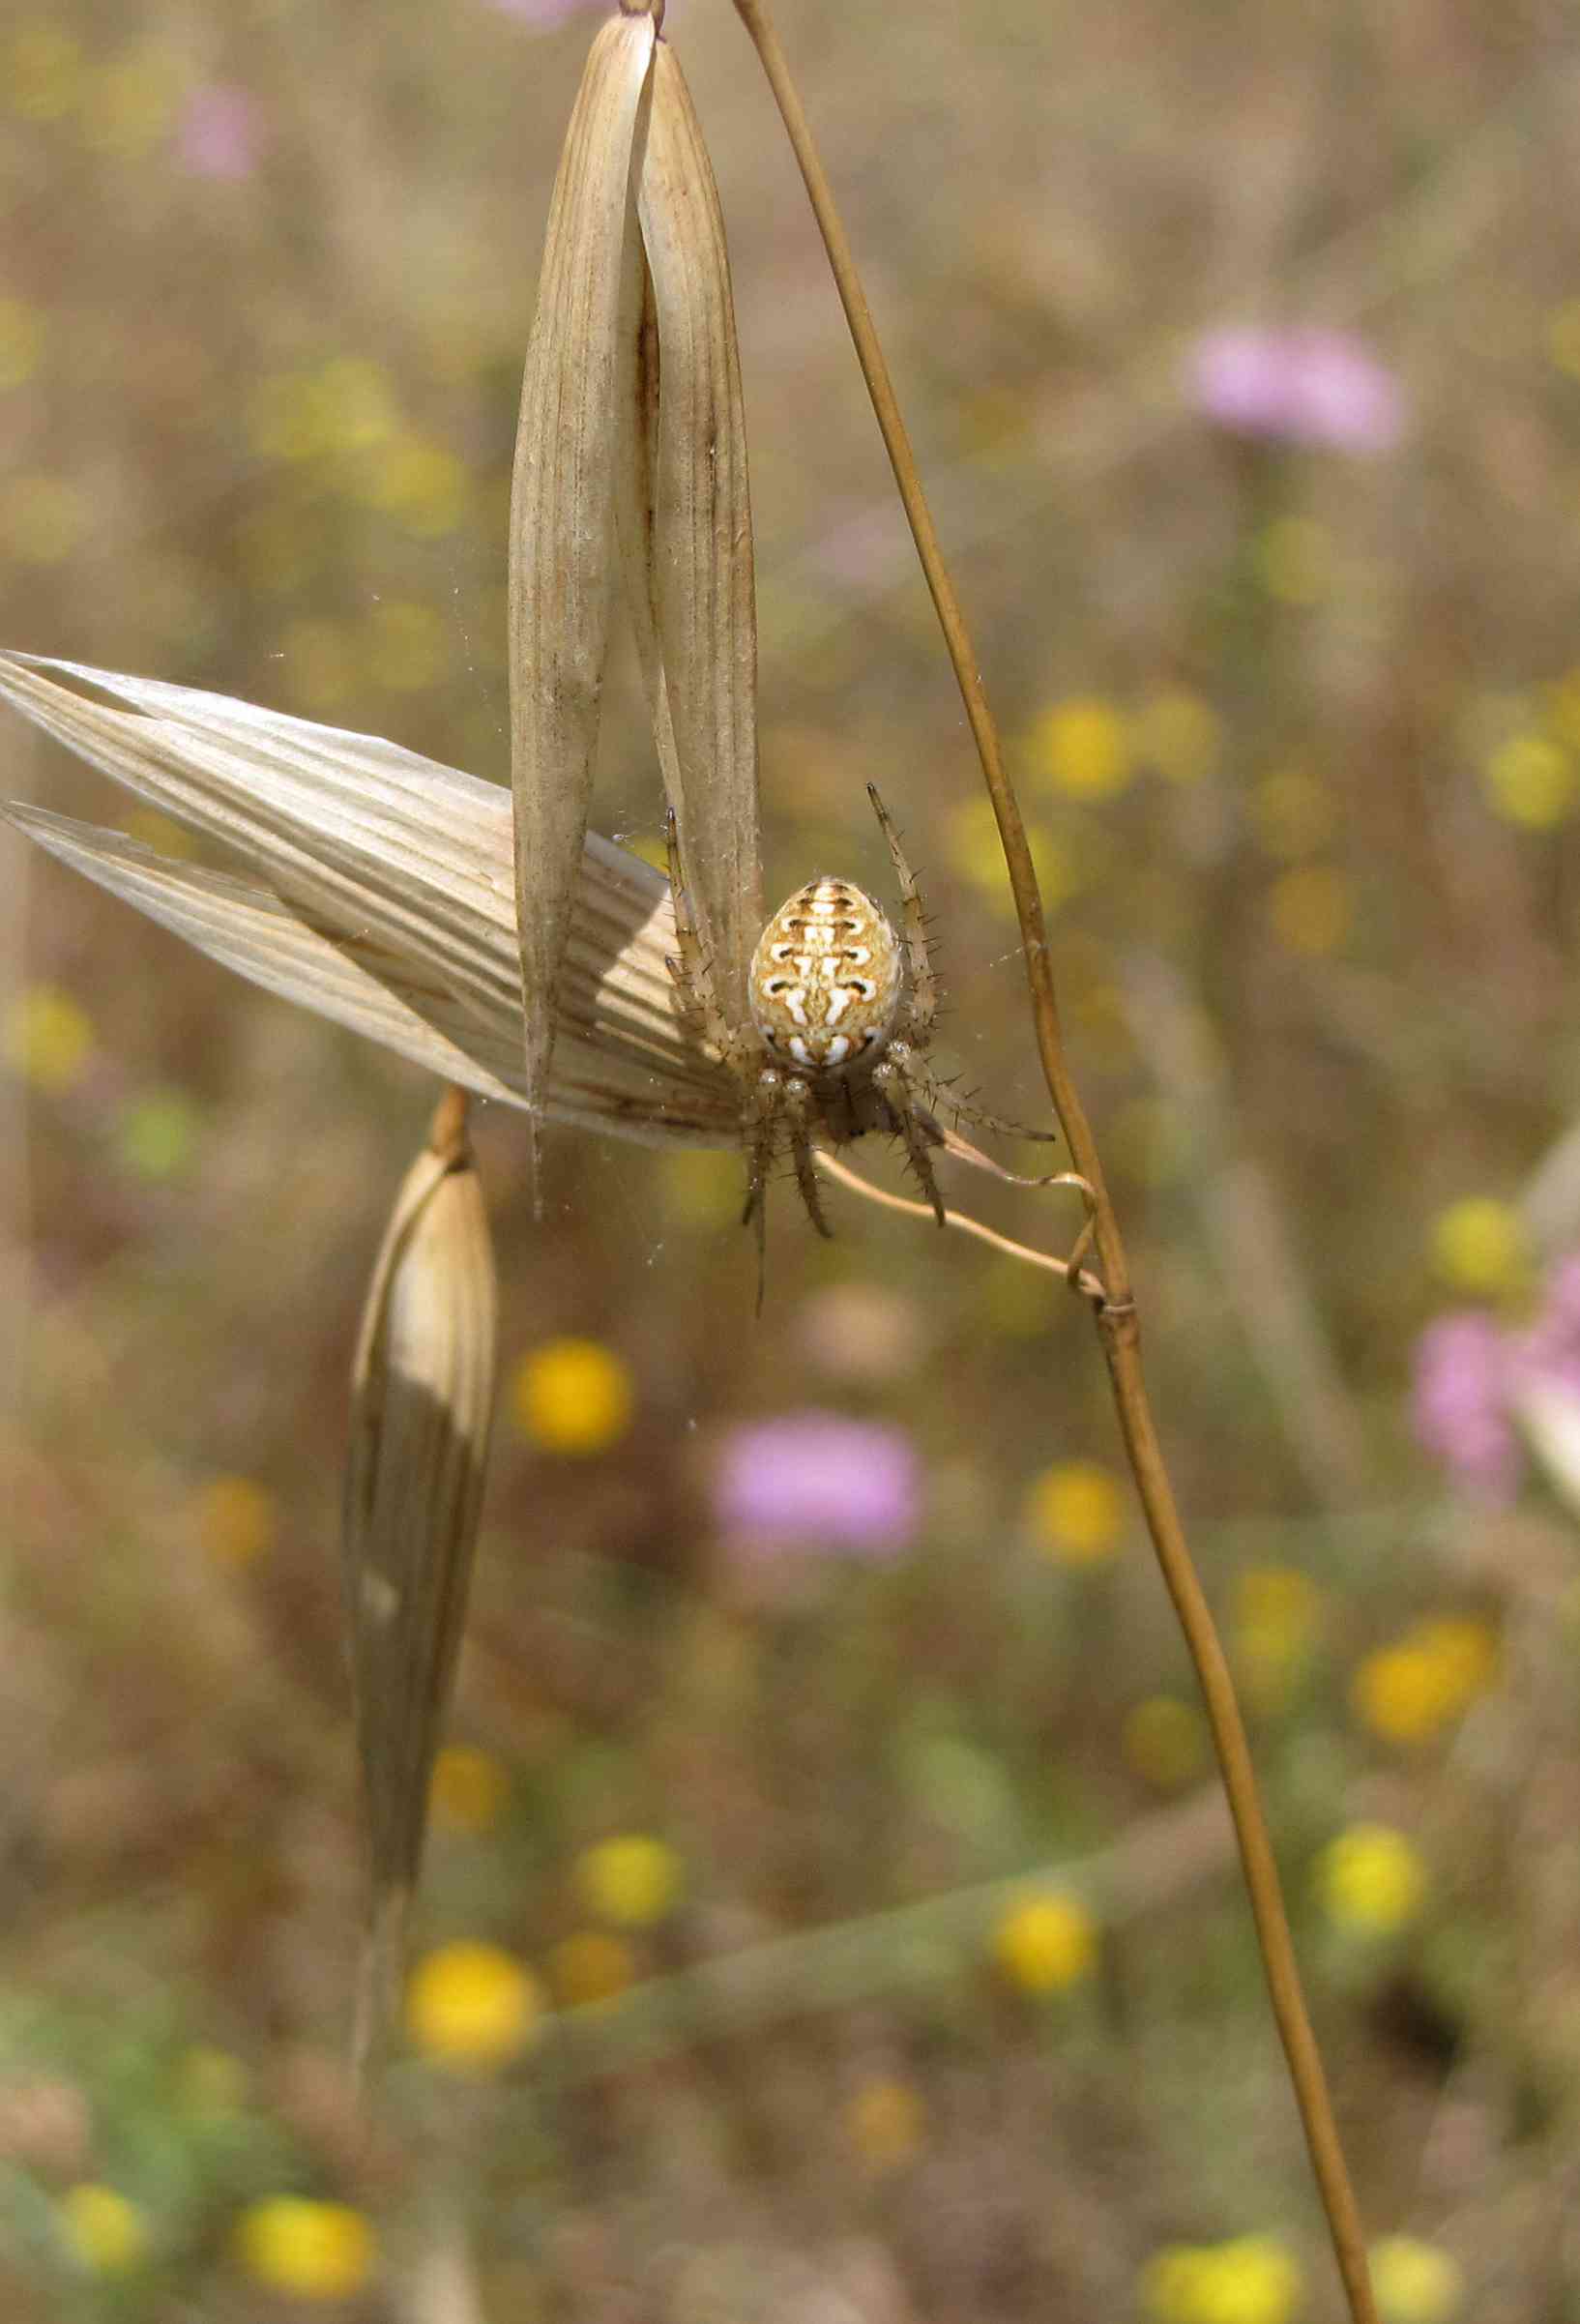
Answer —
842 1009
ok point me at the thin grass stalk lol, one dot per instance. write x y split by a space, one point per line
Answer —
1117 1318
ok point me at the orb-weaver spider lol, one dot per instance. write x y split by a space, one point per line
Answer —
842 1012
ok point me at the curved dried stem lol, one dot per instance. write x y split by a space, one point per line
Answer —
1118 1322
1068 1270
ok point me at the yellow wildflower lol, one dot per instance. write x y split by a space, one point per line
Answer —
1414 2282
1075 1513
1371 1880
235 1519
1082 747
472 2006
469 1787
1047 1943
1533 781
1254 2279
1410 1692
105 2233
1465 1651
1165 1741
1479 1245
305 2249
572 1396
885 2121
632 1880
47 1038
591 1966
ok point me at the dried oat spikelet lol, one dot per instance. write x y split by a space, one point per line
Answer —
422 1395
562 556
685 525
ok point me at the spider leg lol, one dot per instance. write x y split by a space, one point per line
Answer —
798 1106
942 1099
921 1004
760 1127
891 1082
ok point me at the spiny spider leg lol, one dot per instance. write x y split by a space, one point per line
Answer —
941 1099
761 1127
922 1000
798 1106
890 1083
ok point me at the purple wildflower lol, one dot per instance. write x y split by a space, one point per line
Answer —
219 134
817 1480
1460 1404
1297 386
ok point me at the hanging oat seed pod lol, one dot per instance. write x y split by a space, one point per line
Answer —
423 1395
686 532
562 517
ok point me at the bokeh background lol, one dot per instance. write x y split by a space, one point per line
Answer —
823 1741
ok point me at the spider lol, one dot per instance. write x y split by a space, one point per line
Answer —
842 1011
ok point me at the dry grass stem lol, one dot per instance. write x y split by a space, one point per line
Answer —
1087 1284
1117 1317
562 519
422 1392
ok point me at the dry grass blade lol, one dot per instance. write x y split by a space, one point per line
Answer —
422 1397
388 903
700 579
562 517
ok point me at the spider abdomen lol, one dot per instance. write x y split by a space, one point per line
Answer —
826 978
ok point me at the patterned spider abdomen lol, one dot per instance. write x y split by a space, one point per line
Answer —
826 978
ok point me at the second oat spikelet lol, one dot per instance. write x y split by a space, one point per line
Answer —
421 1405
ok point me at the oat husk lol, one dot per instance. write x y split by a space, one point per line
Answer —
561 554
423 1392
378 892
685 525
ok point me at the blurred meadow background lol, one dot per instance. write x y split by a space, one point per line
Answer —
829 1916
